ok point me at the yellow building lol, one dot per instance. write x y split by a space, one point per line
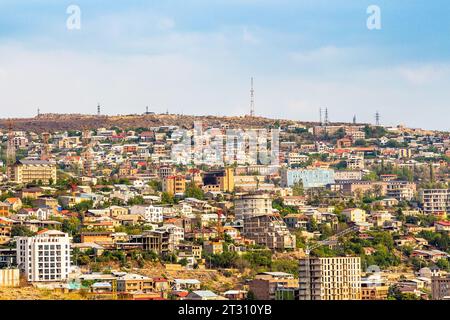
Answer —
174 184
221 180
374 293
33 171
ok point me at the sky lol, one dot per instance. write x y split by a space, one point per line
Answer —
197 57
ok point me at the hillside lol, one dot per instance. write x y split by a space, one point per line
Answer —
62 122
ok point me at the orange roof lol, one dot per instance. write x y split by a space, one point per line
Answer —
12 200
42 231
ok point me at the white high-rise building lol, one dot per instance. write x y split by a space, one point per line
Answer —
45 257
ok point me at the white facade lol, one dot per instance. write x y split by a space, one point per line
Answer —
176 234
151 214
45 257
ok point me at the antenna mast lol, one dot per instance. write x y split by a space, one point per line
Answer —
252 100
10 151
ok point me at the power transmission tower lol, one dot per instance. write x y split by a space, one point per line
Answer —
377 119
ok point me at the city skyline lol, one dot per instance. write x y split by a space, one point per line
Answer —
199 58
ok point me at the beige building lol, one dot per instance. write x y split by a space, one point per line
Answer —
269 230
33 171
266 284
9 278
174 185
435 201
252 205
336 278
355 215
440 288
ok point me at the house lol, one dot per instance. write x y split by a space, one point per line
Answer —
355 215
130 283
265 284
442 226
186 284
203 295
213 247
15 204
430 255
235 294
4 209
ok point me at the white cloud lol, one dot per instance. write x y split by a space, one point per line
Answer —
166 23
63 81
421 75
249 37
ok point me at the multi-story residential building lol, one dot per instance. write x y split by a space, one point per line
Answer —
401 190
176 235
355 162
156 241
252 205
348 175
213 247
295 159
174 185
165 171
435 201
269 230
220 180
311 178
130 283
265 285
440 288
33 171
335 278
373 287
355 215
4 209
45 257
150 213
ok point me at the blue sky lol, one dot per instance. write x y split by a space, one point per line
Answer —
197 57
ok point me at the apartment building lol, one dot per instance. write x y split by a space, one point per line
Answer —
374 287
174 185
220 180
440 288
401 190
45 257
4 209
150 213
311 178
33 171
269 230
252 205
435 201
156 241
176 235
348 175
266 284
355 162
335 278
295 159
